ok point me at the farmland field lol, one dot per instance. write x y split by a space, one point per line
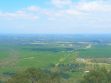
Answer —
26 51
18 53
97 51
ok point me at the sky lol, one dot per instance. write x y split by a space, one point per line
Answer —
55 16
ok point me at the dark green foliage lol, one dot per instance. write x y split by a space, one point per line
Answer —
97 76
33 75
19 78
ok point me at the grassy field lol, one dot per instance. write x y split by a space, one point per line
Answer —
22 57
19 56
16 57
96 51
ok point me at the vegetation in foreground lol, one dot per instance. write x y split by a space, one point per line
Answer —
33 75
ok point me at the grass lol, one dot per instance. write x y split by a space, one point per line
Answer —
20 58
15 57
96 52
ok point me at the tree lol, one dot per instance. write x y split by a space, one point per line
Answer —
31 75
97 76
34 74
18 78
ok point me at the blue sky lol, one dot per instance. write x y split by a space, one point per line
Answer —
55 16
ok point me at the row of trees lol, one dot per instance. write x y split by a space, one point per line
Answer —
33 75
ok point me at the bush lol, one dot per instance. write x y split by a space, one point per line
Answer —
97 76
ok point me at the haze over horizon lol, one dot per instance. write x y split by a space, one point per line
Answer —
55 17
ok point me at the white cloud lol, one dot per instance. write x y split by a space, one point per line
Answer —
96 6
80 8
61 3
83 5
72 12
33 8
28 13
18 15
64 15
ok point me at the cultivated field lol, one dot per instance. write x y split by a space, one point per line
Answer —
73 57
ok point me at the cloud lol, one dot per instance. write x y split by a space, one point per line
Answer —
96 6
18 15
83 5
60 8
63 15
61 3
33 8
25 13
